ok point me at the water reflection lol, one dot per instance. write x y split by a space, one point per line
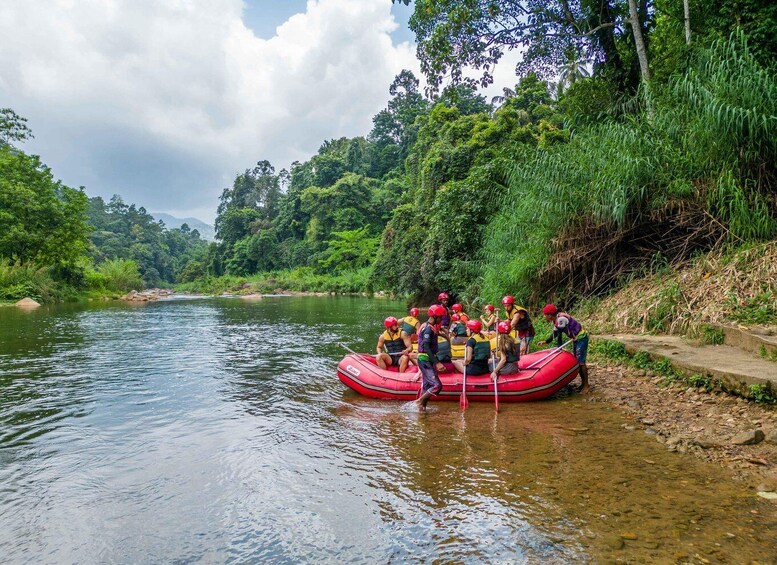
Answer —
217 430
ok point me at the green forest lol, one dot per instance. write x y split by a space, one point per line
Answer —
58 244
638 133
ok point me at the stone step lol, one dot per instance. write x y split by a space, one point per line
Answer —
734 367
759 340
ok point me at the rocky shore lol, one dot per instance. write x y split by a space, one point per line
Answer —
147 295
738 434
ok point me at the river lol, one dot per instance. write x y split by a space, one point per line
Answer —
216 430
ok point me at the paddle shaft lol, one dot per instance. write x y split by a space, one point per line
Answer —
496 375
463 402
553 352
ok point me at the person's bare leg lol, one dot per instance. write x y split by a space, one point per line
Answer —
458 365
421 402
381 360
584 387
403 363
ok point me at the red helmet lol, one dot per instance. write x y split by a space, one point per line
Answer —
443 296
456 308
504 327
508 300
490 307
414 312
455 317
390 322
550 309
437 310
475 326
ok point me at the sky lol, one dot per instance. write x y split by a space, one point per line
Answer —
165 101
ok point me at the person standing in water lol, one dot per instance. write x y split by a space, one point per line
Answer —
427 355
566 325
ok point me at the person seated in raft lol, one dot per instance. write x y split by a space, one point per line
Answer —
446 318
525 329
397 349
511 312
566 325
410 324
489 320
444 353
459 309
458 330
509 352
427 356
477 353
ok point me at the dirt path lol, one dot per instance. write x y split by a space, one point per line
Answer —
692 420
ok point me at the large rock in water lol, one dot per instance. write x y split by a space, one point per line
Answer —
27 303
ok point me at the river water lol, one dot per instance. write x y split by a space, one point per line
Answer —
215 430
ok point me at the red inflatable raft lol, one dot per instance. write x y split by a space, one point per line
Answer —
542 374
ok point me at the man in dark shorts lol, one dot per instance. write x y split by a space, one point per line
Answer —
427 355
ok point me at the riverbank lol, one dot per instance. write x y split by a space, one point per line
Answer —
300 280
738 434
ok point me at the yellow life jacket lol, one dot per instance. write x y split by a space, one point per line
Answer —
482 349
394 344
408 325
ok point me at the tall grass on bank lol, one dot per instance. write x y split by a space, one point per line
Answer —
116 275
709 140
28 280
302 279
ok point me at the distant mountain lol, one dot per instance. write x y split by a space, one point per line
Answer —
206 230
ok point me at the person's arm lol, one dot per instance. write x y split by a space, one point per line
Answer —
514 321
379 348
408 343
468 354
502 362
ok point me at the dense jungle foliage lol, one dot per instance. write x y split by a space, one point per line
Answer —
556 189
56 243
638 133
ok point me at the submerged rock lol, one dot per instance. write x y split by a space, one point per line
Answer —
27 303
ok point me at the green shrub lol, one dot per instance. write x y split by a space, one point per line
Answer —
120 275
759 310
763 394
711 335
28 280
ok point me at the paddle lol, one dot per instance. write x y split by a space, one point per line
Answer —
496 376
496 394
553 352
463 402
348 349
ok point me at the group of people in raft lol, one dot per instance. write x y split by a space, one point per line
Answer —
514 332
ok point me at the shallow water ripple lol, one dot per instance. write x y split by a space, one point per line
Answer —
216 430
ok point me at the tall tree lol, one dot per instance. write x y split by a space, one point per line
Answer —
453 35
639 41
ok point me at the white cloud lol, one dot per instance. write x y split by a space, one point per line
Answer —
164 102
